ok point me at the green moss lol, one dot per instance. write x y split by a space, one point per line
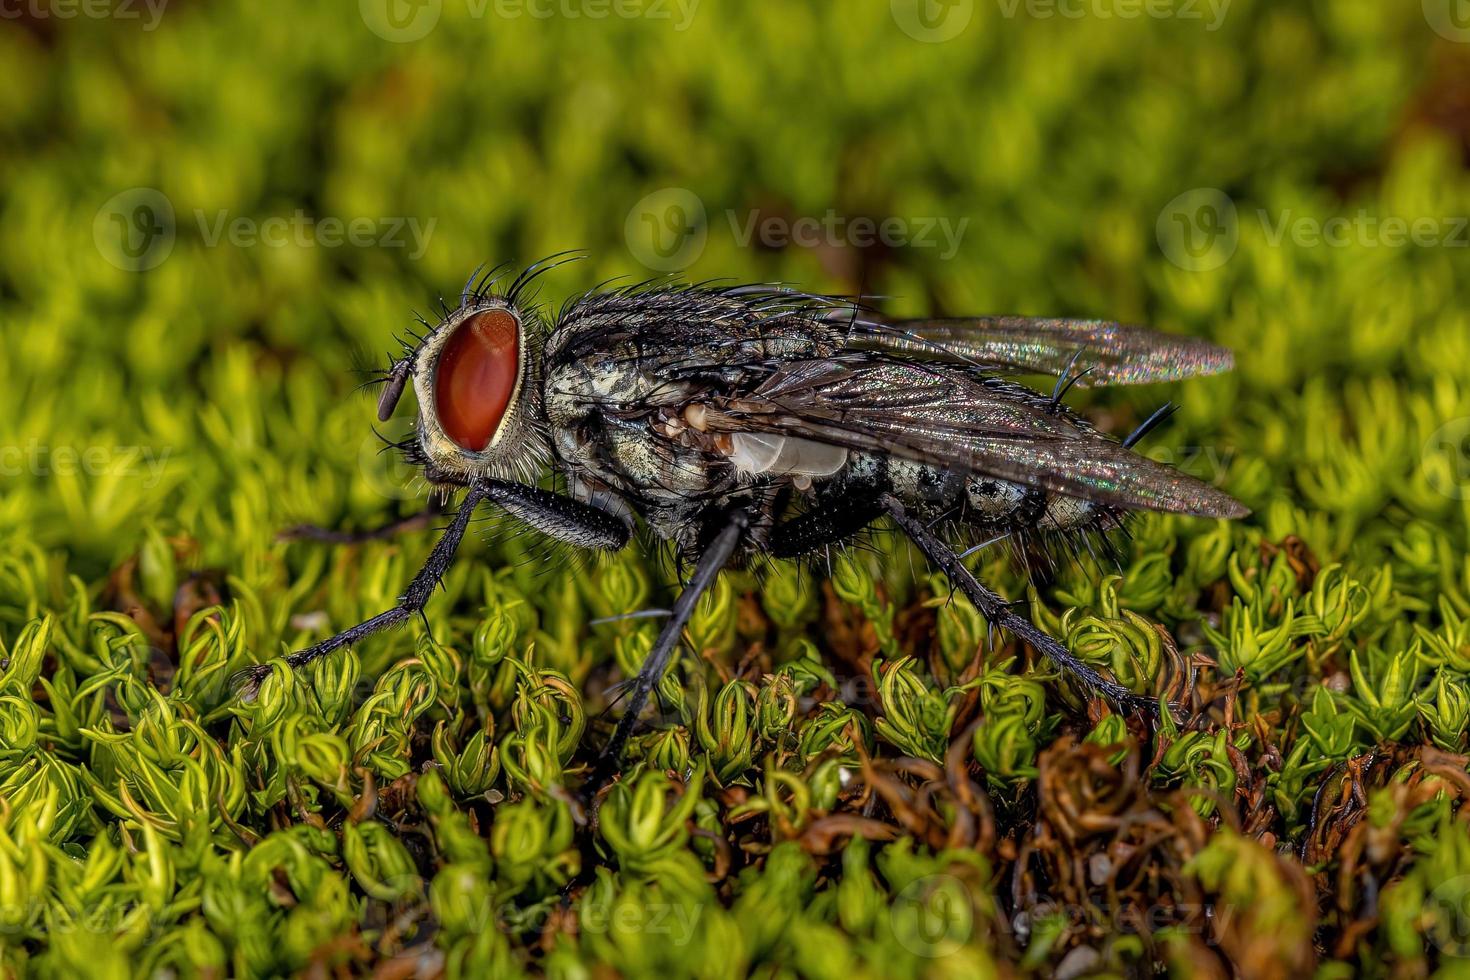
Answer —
837 786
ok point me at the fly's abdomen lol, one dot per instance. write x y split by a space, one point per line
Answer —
938 493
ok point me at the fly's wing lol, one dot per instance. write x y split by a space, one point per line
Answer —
946 416
1110 353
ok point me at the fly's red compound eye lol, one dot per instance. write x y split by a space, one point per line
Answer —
476 377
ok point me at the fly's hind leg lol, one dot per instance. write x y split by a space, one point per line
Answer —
413 522
563 518
999 612
327 535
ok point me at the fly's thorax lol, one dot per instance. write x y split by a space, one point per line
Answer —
479 407
625 375
606 417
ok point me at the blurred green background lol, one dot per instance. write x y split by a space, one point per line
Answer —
215 215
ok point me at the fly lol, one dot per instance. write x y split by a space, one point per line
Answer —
737 422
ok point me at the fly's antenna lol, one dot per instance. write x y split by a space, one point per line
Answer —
393 388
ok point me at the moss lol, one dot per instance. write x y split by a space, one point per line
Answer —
837 784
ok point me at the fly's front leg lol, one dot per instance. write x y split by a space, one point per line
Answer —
999 612
705 571
561 517
414 597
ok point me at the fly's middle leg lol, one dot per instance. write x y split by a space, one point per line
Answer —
716 555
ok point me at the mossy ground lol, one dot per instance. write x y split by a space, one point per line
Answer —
837 787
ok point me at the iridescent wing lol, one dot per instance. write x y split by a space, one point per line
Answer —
1110 353
946 415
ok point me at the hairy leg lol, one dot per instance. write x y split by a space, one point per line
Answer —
999 612
326 535
822 526
705 571
561 517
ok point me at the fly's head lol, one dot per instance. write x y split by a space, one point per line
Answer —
475 376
